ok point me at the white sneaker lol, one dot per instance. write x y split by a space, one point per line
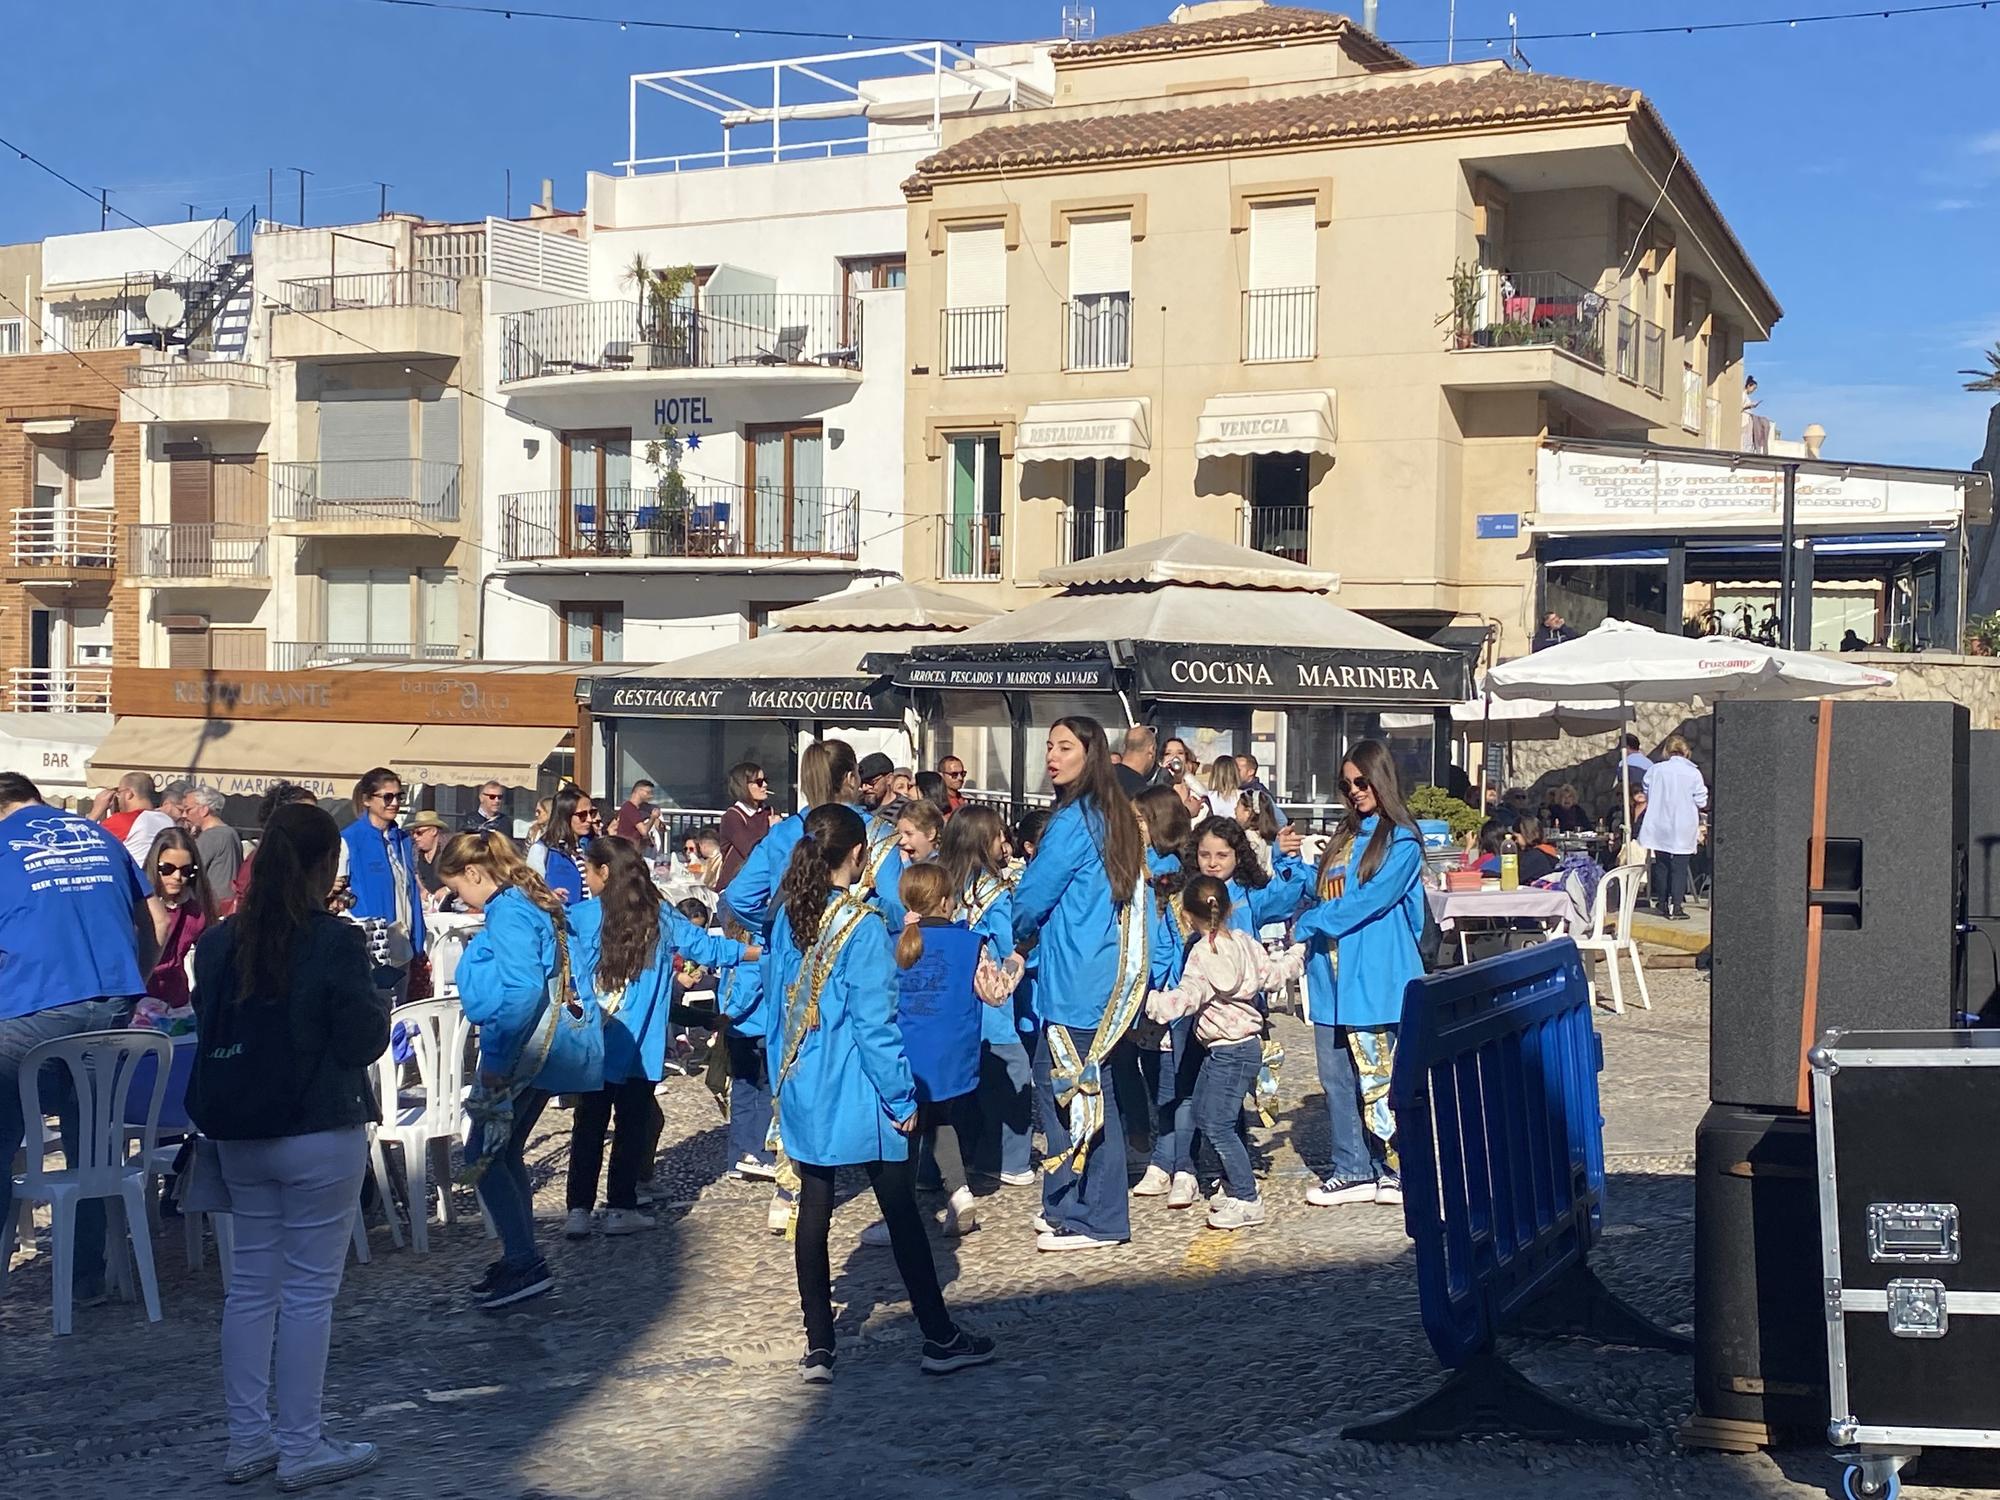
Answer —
242 1465
577 1225
1235 1213
1019 1179
961 1216
1043 1226
748 1168
876 1234
1186 1191
1388 1190
628 1221
331 1460
1336 1191
778 1217
1066 1241
1153 1184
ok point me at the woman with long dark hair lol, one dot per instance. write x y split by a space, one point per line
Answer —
1084 899
828 773
183 908
748 818
557 856
290 1021
627 938
1369 912
843 1091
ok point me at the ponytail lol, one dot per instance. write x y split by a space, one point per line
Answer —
833 832
925 891
496 855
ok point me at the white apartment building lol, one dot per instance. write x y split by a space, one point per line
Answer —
777 359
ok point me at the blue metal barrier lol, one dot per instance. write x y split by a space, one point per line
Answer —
1502 1148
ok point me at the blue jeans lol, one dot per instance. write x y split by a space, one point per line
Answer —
1354 1158
1173 1074
1229 1072
17 1037
504 1187
1007 1104
749 1100
1093 1203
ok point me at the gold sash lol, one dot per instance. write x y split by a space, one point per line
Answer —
1078 1078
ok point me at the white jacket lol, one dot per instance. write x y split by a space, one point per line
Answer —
1675 794
1221 986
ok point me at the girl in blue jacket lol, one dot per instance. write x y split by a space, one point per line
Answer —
1361 952
843 1090
919 835
503 987
828 772
626 941
1084 899
1168 1060
974 855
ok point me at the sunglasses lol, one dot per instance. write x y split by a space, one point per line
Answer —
388 796
760 781
952 775
186 872
583 816
1358 784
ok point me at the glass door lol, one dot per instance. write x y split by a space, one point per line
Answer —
596 502
788 498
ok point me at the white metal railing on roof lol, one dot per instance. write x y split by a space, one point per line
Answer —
950 72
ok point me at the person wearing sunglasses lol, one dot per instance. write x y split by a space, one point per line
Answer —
557 856
382 870
952 769
182 908
748 818
490 816
1363 913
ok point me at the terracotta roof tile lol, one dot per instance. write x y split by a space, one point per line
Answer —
1271 23
1496 98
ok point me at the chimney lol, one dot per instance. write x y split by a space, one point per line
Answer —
548 195
1813 436
1368 9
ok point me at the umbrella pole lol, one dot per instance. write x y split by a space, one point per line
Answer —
1485 745
1624 767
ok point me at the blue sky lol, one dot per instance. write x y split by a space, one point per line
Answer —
1859 162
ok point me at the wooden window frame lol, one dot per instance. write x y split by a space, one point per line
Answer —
597 609
789 430
564 509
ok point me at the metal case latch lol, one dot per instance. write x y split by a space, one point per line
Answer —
1913 1233
1916 1309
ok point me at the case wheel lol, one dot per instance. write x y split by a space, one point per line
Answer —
1858 1484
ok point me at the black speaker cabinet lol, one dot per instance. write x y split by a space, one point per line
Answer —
1759 1313
1891 897
1982 830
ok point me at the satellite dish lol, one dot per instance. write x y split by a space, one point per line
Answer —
165 308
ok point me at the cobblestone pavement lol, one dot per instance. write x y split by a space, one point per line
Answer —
1190 1364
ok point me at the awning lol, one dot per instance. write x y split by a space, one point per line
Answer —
1265 422
1056 431
51 749
467 754
241 757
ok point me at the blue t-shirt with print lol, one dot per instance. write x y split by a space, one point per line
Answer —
67 890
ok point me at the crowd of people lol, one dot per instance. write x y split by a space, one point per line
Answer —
897 979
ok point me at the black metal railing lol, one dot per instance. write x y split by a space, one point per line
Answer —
709 520
363 489
1281 530
1091 531
1281 323
1532 309
975 340
1097 332
726 330
969 547
372 289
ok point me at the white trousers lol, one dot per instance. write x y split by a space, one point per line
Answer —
294 1199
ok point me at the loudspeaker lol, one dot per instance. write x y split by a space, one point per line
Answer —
1982 830
1890 899
1759 1309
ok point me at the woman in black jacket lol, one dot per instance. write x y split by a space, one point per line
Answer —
290 1022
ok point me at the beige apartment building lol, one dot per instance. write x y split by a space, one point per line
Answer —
1257 275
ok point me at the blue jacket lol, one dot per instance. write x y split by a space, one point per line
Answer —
998 1024
851 1082
1273 901
503 976
1065 900
559 872
368 874
1373 927
752 895
741 996
1165 947
635 1035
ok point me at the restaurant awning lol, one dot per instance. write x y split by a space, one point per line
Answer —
463 754
1265 422
1057 431
891 606
241 757
51 750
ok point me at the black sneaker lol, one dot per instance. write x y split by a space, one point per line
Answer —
817 1367
509 1287
964 1350
485 1282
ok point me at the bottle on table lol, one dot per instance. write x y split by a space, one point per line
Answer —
1510 863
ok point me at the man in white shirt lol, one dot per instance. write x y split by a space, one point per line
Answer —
1639 763
1675 798
138 819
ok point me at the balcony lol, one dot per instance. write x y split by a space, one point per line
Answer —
298 656
718 521
196 392
369 315
974 341
969 548
1091 531
1097 332
1642 351
1531 310
59 690
762 335
1280 323
197 555
57 544
364 496
1281 530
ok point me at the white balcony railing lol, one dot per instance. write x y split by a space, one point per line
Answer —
297 656
59 690
65 537
196 550
197 372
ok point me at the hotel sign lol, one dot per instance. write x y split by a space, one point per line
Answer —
1278 675
1583 486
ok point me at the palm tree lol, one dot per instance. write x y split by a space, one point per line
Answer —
1987 379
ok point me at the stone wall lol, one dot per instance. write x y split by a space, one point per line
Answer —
1588 762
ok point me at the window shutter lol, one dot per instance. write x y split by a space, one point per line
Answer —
1100 256
191 491
352 427
188 649
976 266
440 429
1281 245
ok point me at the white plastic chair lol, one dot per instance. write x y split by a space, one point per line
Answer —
100 1066
424 1128
1620 885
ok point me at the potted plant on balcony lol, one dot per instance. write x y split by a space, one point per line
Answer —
661 528
1463 313
665 322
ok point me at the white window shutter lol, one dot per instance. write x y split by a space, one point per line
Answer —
976 266
1100 256
1281 245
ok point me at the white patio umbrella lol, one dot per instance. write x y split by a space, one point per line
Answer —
1531 719
1639 665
